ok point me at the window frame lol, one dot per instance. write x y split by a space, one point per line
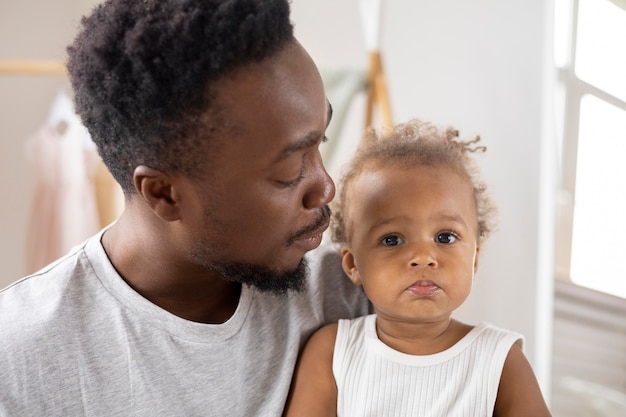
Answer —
573 90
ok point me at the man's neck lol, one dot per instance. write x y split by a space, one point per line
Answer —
187 291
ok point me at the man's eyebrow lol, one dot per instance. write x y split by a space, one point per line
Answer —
329 116
306 142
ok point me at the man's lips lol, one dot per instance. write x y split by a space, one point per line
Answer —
423 288
310 234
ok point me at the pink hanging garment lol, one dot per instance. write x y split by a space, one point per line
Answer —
64 211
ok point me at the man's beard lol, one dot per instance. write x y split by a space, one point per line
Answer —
260 276
263 278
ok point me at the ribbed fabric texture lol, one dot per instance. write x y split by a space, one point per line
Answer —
375 380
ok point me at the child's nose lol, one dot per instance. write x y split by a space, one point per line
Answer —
422 255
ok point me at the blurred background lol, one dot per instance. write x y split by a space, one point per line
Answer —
541 81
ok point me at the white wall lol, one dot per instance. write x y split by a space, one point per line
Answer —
29 29
477 65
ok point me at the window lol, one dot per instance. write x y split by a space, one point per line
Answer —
590 56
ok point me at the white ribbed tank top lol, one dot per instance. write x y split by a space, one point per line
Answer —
375 380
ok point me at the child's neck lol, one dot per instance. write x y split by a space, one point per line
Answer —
420 339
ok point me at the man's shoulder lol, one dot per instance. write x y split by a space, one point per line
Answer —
331 289
32 302
325 262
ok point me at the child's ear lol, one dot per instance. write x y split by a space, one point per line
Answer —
476 258
349 266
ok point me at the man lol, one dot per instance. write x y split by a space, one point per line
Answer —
194 302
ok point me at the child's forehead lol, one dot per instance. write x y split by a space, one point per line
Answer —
394 170
387 180
420 190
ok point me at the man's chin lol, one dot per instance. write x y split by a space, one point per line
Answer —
263 278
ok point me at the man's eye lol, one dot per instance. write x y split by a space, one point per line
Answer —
391 240
446 237
292 183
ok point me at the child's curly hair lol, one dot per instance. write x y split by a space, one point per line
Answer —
412 144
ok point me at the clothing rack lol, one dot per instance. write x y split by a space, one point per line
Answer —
377 92
33 67
377 88
109 198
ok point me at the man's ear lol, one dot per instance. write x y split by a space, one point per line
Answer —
349 266
156 189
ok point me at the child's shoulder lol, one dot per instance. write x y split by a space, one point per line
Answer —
328 330
326 336
323 338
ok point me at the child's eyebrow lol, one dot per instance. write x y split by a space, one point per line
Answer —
450 217
387 221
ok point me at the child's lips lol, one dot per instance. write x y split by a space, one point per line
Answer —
423 288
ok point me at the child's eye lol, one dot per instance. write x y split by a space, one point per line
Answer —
391 240
446 237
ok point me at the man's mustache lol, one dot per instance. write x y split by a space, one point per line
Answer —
322 220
